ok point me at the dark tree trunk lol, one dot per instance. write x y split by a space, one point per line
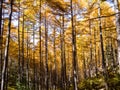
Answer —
40 50
102 47
27 63
63 61
74 55
46 55
5 65
19 66
64 64
84 66
1 37
61 47
22 67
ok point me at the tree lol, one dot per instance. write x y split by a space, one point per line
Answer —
74 60
46 54
102 46
116 5
5 65
1 31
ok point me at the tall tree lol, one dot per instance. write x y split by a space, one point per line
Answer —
117 11
40 45
34 67
23 62
46 53
63 60
102 46
19 66
1 31
55 63
5 65
27 62
74 55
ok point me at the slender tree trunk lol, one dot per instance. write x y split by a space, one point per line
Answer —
5 65
64 54
1 55
112 54
84 66
74 60
27 63
22 67
19 66
46 55
91 57
69 73
34 68
1 9
61 47
40 49
117 11
90 33
63 61
55 64
6 81
96 62
102 47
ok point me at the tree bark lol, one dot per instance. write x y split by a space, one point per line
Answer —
5 65
1 55
19 66
55 64
1 9
22 66
117 11
95 54
27 63
63 61
40 48
34 68
102 46
46 55
74 60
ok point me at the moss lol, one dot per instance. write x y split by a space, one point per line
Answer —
11 88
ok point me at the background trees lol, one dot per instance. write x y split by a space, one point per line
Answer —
59 44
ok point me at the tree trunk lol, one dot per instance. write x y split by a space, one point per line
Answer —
1 9
27 63
40 49
102 47
63 61
1 30
84 66
19 66
5 65
74 60
55 64
117 11
95 54
34 68
64 54
46 55
22 67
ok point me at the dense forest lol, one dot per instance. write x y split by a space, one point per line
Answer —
60 44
